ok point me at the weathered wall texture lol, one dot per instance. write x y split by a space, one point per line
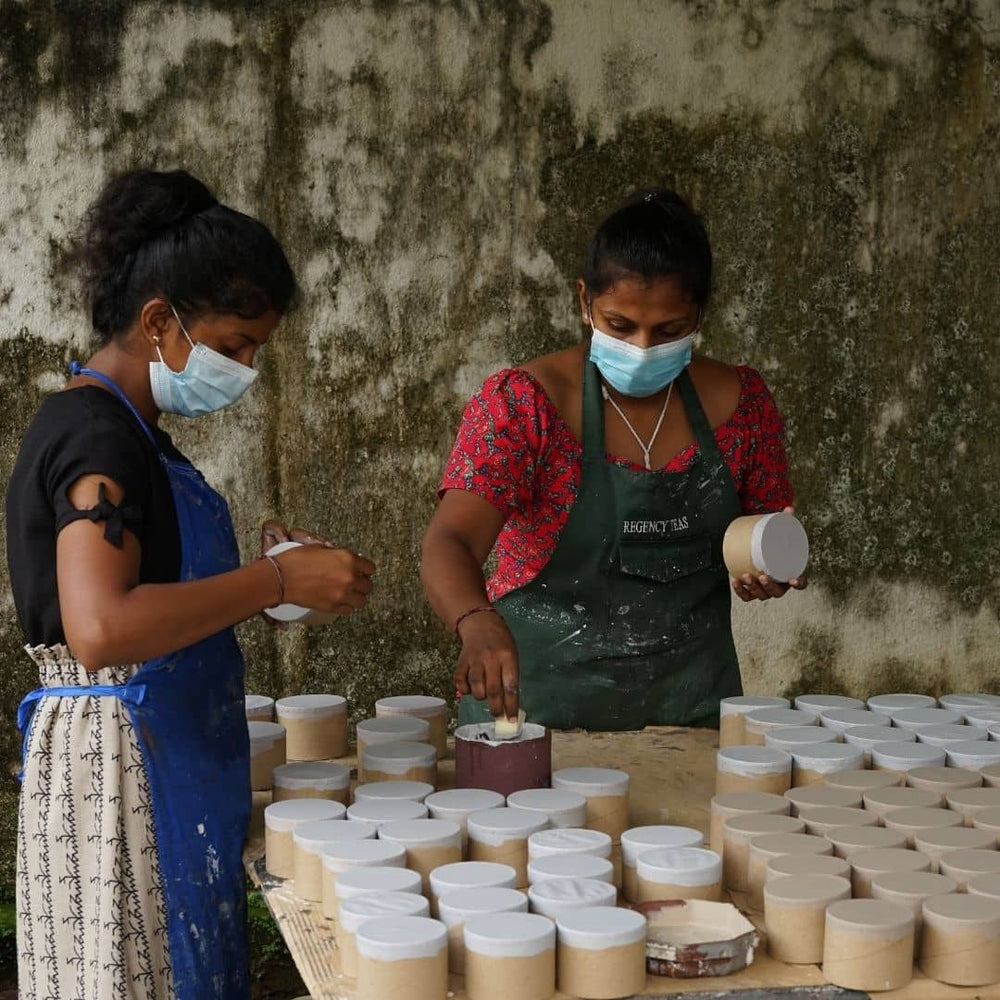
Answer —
435 169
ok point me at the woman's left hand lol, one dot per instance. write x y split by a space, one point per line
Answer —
762 588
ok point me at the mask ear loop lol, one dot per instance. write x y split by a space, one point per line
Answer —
181 325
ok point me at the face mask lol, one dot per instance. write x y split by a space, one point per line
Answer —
209 381
639 371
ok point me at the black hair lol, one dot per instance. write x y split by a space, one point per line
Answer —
155 233
652 234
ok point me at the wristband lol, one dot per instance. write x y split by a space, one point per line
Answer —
487 609
281 580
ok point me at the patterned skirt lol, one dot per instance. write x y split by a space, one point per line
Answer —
91 919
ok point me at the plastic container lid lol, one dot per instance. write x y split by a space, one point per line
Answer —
807 864
646 838
398 758
285 816
968 863
779 844
345 855
377 878
960 702
745 802
753 760
861 781
393 729
497 826
921 819
969 801
949 735
991 773
873 915
323 774
906 756
821 819
844 719
456 906
985 885
751 824
457 804
819 703
884 800
974 755
814 796
779 546
740 704
312 836
259 707
472 875
391 939
916 886
420 706
591 781
942 779
791 737
385 811
987 819
920 718
828 758
868 736
509 935
359 910
935 843
888 859
761 719
812 891
601 927
263 735
553 896
310 706
568 841
563 808
416 791
570 866
981 915
848 839
890 704
982 718
423 833
692 866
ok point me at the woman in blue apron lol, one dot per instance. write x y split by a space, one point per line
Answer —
127 581
603 478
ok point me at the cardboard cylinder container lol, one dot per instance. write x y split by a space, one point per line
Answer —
601 953
267 751
911 889
605 791
679 873
772 544
434 711
315 724
863 780
868 945
356 912
942 780
766 847
554 896
510 955
349 855
259 708
501 835
732 731
736 836
318 779
795 915
752 769
762 721
960 943
280 821
640 839
402 957
814 796
460 905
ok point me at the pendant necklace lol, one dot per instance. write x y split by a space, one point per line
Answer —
646 448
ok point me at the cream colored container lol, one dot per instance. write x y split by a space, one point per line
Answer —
280 821
378 813
510 955
761 721
812 765
974 755
960 944
820 703
469 875
553 896
356 912
601 953
731 804
863 781
964 866
460 905
991 774
606 793
960 702
982 718
316 725
969 802
736 836
807 864
384 791
792 738
869 737
501 835
943 780
402 957
546 843
816 796
571 866
320 779
795 915
913 822
985 885
732 731
640 839
866 864
842 720
822 820
458 804
308 841
400 762
267 751
349 855
848 839
429 843
948 736
937 843
898 758
868 945
766 847
920 718
989 821
392 729
773 544
563 809
434 711
883 801
373 879
259 708
679 873
892 704
911 889
752 769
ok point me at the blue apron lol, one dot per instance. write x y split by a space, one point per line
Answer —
188 711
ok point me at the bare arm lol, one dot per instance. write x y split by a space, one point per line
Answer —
456 544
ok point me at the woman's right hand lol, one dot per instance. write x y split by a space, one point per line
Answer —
487 665
327 579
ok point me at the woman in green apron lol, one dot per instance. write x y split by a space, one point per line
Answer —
603 478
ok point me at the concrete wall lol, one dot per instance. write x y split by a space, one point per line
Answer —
435 169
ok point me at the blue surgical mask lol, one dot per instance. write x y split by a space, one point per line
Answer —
209 381
639 371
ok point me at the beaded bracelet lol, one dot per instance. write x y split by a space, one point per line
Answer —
473 611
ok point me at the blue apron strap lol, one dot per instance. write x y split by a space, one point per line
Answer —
130 695
76 368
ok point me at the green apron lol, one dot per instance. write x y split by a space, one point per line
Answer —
628 624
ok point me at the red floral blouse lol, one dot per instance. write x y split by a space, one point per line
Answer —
515 451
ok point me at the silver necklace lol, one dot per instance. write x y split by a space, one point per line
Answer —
646 448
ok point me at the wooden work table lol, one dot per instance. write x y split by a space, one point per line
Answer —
672 780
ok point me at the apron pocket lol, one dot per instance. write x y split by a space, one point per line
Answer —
666 561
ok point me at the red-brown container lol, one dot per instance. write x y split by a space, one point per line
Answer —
503 766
